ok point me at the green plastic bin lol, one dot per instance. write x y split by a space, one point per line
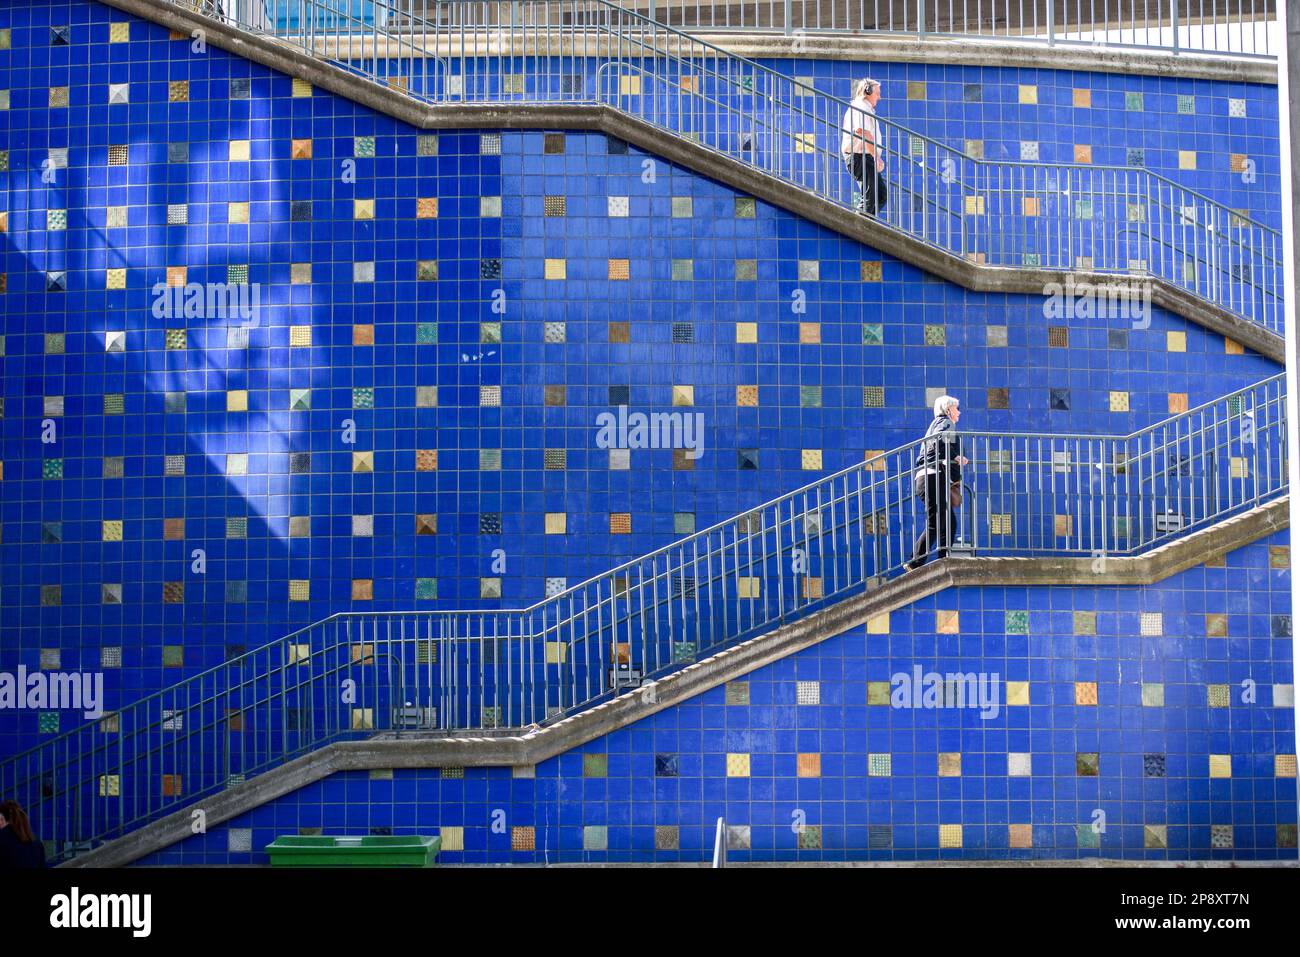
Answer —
410 851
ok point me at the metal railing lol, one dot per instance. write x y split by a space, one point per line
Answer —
357 674
1220 27
1121 221
1223 27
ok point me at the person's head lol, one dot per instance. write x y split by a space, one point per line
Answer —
948 407
867 89
12 815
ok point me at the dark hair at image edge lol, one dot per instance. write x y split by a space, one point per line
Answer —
13 813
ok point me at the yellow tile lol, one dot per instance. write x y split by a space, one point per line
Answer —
363 461
950 835
116 279
556 269
1082 153
236 212
746 395
557 652
300 149
809 765
239 151
1020 835
1085 692
748 586
950 764
301 87
453 837
300 335
811 459
1220 765
119 32
363 589
1083 98
810 333
1176 341
618 269
1030 205
426 207
1018 692
737 765
1187 159
557 523
1177 403
947 622
747 332
1119 401
237 400
1232 347
1284 765
113 530
629 85
878 624
1028 94
363 209
683 395
299 589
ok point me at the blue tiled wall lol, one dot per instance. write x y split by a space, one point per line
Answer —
208 169
1162 714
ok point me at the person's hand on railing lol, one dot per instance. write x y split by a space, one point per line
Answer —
963 461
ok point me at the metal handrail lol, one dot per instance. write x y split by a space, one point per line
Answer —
1129 222
485 670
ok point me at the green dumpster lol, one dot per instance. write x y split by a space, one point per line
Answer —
298 851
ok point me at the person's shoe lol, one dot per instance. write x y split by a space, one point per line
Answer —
914 564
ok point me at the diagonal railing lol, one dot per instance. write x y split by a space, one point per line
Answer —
1128 222
353 675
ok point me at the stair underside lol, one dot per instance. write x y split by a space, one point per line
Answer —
705 162
530 748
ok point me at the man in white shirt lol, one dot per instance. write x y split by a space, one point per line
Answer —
862 147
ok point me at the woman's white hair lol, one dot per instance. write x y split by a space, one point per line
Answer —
943 404
864 87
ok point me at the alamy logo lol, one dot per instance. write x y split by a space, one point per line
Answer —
1087 300
74 909
52 691
656 430
951 690
213 300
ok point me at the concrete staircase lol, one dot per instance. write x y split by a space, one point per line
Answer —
1242 302
531 746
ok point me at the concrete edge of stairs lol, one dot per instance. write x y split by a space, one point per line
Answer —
538 745
705 162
